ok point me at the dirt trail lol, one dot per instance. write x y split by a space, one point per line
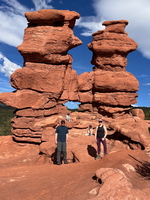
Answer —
48 182
23 177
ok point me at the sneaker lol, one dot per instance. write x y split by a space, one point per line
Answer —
58 163
65 162
97 157
105 154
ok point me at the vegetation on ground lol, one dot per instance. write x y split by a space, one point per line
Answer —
6 114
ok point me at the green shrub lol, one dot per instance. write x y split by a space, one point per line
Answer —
146 111
6 114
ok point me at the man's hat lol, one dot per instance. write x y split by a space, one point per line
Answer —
100 120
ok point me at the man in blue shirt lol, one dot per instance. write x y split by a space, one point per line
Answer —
61 140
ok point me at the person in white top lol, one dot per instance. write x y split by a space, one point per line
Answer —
68 117
90 130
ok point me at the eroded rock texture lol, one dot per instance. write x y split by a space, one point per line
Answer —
117 186
109 89
113 87
47 81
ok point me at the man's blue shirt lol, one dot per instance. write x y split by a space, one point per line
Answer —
61 131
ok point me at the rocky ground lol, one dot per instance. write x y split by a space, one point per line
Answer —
26 175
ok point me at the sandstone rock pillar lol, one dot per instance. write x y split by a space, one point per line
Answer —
47 79
114 89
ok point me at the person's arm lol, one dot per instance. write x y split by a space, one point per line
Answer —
87 131
56 135
67 132
105 129
67 138
96 134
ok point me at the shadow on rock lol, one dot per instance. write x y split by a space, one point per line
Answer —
91 151
54 157
143 168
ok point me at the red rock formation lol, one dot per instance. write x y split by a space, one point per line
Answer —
112 86
138 113
47 81
111 46
117 186
110 90
134 128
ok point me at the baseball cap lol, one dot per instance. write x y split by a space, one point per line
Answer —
100 120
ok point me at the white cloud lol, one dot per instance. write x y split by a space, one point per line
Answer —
135 105
7 67
13 22
12 25
42 4
142 76
11 35
146 84
5 86
13 6
90 25
135 11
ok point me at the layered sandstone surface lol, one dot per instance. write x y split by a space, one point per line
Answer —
112 86
47 79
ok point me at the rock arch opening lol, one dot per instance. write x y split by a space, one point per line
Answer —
71 105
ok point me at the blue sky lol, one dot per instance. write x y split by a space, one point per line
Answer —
93 14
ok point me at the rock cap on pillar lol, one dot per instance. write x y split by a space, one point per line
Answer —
52 17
